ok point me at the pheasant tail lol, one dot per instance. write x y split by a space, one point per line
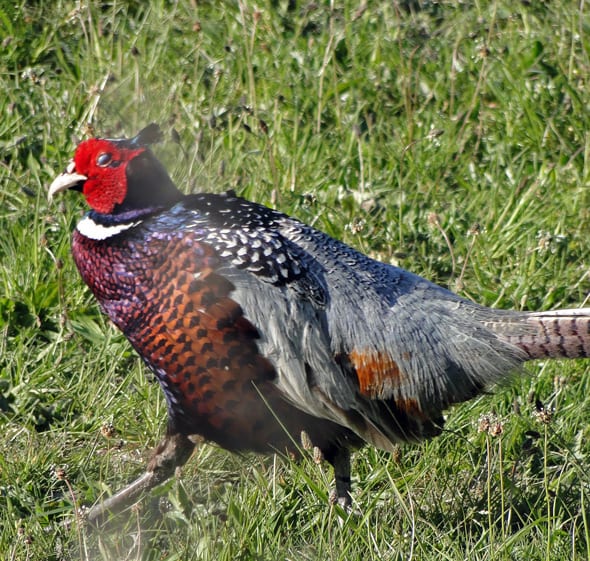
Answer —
553 334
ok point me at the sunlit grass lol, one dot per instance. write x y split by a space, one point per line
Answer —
448 138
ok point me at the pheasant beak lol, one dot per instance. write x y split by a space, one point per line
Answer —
66 180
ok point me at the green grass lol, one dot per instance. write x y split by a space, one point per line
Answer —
449 138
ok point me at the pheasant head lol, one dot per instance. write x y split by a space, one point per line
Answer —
119 175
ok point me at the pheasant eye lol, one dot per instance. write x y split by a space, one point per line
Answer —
104 159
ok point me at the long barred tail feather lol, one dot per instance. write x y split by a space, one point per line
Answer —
552 334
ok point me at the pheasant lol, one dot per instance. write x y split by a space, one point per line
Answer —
261 329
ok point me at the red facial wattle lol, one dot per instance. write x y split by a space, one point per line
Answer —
104 164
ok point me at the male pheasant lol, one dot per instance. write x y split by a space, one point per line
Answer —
260 328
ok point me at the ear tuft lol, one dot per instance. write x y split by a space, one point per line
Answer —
152 134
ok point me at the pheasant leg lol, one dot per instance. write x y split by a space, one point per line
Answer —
172 452
340 460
